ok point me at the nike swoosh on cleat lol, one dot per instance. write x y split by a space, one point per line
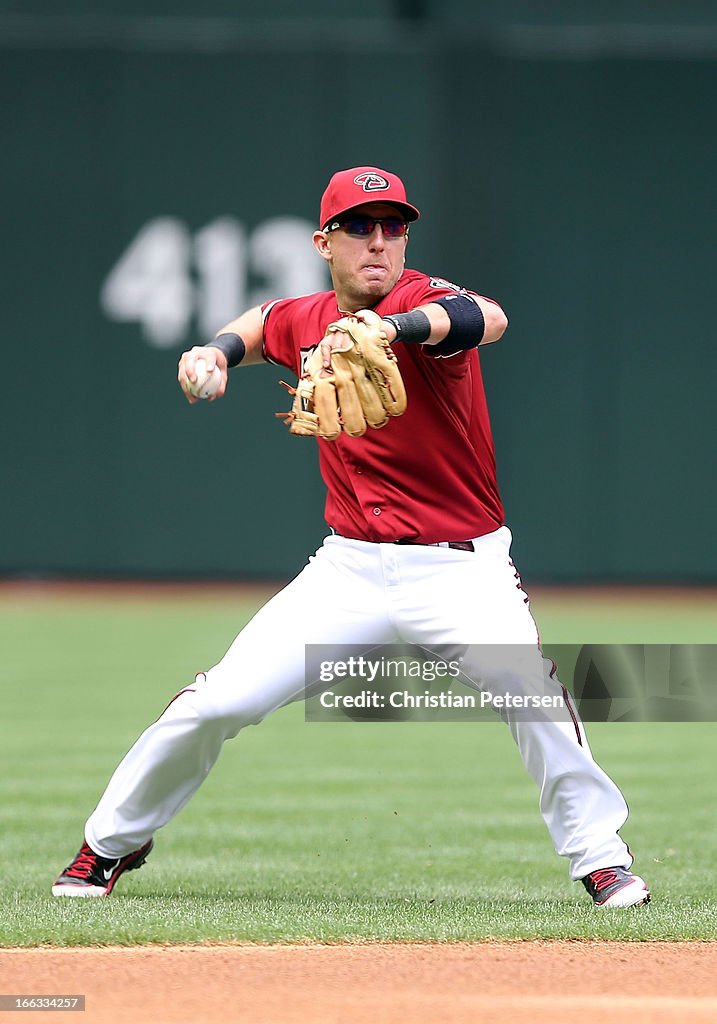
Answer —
108 872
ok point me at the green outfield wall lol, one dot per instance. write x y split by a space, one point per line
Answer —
160 171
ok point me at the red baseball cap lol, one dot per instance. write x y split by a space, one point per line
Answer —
359 185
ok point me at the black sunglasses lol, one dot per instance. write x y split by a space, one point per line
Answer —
361 225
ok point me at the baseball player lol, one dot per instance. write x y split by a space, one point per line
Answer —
418 549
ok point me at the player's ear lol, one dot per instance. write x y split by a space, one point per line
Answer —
321 244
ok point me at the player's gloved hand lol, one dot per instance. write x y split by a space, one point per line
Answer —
351 381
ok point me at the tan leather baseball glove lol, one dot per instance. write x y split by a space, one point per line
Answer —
362 388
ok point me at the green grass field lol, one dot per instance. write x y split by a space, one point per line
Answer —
326 832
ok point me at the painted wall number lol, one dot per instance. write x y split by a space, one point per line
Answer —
173 282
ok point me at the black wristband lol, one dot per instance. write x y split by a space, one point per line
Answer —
232 346
412 326
467 325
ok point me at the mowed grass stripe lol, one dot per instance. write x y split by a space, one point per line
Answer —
316 832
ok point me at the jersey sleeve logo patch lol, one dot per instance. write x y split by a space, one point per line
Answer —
371 182
440 282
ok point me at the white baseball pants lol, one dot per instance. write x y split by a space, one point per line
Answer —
353 592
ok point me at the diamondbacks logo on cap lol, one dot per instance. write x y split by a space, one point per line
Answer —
371 182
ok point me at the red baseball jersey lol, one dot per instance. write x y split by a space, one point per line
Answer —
426 476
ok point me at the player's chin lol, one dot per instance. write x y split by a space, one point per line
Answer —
375 290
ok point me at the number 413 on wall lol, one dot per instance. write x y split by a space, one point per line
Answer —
168 275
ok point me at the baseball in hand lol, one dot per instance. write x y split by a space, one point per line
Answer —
207 384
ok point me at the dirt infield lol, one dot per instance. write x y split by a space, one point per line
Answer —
538 982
